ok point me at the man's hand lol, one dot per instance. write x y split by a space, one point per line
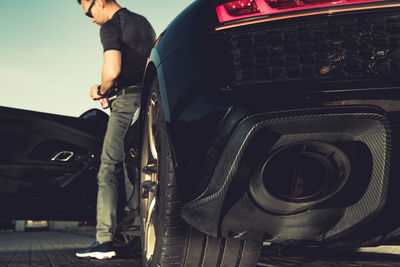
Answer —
93 92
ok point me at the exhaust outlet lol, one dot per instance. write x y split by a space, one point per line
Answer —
298 176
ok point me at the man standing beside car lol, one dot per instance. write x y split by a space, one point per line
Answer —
127 39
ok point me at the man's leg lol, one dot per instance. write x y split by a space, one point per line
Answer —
110 169
111 165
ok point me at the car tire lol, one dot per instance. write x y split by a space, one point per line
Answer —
167 240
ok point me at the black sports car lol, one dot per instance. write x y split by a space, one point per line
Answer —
263 122
271 121
48 164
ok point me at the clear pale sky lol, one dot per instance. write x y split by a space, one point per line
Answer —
50 52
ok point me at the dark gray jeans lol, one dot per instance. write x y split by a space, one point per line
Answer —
122 110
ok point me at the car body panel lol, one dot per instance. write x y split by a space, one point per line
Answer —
204 103
203 92
47 168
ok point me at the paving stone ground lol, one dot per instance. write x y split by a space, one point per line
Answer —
57 249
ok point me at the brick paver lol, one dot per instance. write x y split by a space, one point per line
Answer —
55 249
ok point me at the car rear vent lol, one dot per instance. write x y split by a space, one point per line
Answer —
386 222
395 168
345 47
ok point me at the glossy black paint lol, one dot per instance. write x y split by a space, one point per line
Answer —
202 107
32 184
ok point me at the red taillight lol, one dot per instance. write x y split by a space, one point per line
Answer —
239 9
283 4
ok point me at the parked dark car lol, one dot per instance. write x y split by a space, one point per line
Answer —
272 121
48 164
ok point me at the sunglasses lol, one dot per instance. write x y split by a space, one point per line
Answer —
89 11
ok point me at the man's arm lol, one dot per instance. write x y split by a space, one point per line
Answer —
111 70
110 73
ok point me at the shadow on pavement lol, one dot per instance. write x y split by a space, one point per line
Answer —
313 257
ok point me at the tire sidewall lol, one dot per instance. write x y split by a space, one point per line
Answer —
164 177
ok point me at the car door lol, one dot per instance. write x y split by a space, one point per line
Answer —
48 164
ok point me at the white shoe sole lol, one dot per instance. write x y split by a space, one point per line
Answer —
97 255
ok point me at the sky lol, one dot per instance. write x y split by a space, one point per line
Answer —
50 52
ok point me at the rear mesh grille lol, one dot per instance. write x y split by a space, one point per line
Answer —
346 47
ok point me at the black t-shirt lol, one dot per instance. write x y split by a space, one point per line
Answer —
133 35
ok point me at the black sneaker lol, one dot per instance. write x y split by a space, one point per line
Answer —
99 251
